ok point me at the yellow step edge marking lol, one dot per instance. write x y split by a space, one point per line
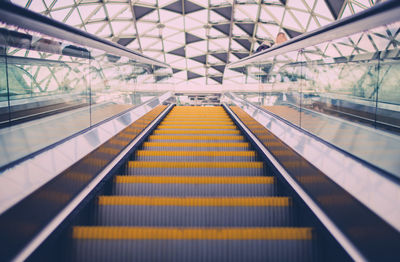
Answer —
194 201
196 127
158 137
197 123
197 118
156 164
229 132
159 233
194 180
195 144
195 153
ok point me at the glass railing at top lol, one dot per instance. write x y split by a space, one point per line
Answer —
47 68
58 81
342 87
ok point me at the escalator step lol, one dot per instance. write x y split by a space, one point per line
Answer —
200 156
194 211
194 186
195 138
217 127
196 146
197 132
192 244
195 168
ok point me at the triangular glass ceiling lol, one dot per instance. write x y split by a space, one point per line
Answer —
197 37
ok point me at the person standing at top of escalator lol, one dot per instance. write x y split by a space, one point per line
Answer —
265 45
280 38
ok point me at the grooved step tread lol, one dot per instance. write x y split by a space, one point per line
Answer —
194 201
197 132
156 164
194 180
273 233
229 127
196 153
195 144
171 137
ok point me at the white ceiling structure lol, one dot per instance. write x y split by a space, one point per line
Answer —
196 37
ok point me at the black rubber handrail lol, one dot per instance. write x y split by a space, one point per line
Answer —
382 13
27 19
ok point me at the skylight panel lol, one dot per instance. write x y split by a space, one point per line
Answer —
74 19
172 58
169 32
144 27
36 5
200 32
147 2
357 8
191 23
290 22
105 32
322 9
60 14
166 16
125 14
180 64
215 17
63 4
296 4
201 45
169 45
101 15
199 16
191 64
151 17
312 25
265 16
134 45
147 42
346 12
177 23
115 9
246 12
310 3
212 71
276 12
194 51
87 10
213 60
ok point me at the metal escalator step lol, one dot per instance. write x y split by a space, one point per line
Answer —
196 153
195 138
195 180
196 146
198 127
194 190
149 164
197 132
196 123
194 211
195 168
192 244
194 186
194 216
199 156
195 201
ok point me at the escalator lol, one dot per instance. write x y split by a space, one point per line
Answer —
195 190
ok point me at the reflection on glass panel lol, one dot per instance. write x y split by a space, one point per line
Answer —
341 90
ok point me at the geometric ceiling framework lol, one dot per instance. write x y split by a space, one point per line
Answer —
196 37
